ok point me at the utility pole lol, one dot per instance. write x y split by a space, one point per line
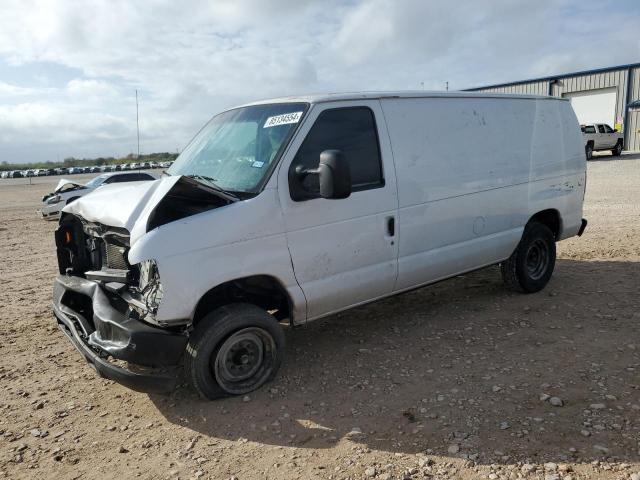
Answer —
422 85
446 86
137 123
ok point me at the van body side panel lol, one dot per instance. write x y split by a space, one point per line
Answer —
198 253
558 165
463 166
471 173
341 251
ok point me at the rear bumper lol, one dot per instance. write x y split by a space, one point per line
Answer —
583 225
102 333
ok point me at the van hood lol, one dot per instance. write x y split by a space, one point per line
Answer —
141 206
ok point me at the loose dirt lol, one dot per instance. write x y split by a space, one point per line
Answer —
449 381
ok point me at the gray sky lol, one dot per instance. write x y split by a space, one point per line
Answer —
69 69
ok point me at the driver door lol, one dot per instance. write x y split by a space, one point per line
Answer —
344 251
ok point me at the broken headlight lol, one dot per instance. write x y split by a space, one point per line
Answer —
149 285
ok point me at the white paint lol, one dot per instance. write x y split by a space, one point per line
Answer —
594 106
448 160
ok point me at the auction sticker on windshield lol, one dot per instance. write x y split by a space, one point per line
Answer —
293 117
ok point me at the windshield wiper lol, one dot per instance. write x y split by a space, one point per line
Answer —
211 182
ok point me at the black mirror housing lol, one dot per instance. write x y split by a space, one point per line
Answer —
335 175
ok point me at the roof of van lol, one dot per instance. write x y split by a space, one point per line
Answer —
336 97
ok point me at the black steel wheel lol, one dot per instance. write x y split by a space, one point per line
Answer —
244 361
234 350
531 265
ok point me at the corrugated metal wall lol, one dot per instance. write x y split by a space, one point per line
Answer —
633 122
591 81
615 78
533 88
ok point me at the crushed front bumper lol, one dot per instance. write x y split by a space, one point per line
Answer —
101 333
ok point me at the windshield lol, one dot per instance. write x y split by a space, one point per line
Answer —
237 149
96 181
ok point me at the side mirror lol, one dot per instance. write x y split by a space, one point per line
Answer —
334 175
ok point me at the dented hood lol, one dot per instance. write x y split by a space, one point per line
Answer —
64 182
129 205
122 205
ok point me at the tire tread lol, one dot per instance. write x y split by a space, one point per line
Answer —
215 328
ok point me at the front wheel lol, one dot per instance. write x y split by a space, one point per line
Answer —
234 350
530 266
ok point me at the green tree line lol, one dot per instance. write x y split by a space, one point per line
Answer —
89 162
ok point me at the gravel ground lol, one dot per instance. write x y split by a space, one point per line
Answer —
460 380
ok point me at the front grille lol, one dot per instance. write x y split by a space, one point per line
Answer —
113 256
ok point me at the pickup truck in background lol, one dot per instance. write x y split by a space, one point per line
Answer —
599 137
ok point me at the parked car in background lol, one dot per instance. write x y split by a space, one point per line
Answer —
68 191
601 137
295 209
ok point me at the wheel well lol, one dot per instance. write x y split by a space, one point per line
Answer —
261 290
550 218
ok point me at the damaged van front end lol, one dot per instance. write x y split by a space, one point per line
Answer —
108 307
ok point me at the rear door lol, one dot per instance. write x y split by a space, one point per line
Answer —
611 136
601 137
344 252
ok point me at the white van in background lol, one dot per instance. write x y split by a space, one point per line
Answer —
297 208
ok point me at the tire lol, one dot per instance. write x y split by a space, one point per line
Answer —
589 151
530 266
234 350
617 150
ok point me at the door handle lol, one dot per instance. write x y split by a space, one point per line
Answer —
391 226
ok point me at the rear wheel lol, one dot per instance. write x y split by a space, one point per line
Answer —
234 350
617 150
530 266
589 151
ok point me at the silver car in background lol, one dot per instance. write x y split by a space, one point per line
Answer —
68 191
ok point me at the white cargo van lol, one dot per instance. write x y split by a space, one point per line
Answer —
297 208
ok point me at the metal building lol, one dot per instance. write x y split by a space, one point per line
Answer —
606 95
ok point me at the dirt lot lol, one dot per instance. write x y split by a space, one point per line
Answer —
444 382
